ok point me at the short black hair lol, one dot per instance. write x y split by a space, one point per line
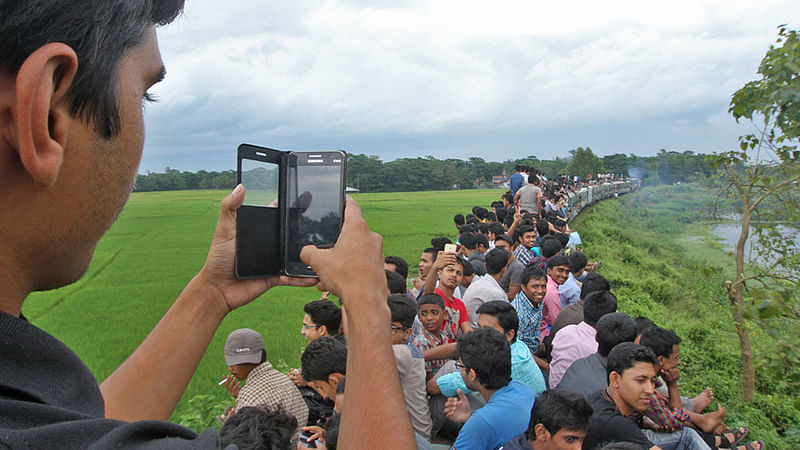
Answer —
439 242
431 299
643 323
504 237
400 264
659 340
323 357
625 355
550 246
459 219
542 227
481 239
598 304
468 240
557 260
521 230
466 267
324 312
594 282
483 228
532 272
506 315
558 409
496 260
332 431
577 262
254 427
395 282
487 352
612 330
403 309
497 229
563 238
100 33
432 251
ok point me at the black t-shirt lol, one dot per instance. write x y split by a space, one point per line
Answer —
608 425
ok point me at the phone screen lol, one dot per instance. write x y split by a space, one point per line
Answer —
316 204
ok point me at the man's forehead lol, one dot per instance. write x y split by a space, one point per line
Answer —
641 368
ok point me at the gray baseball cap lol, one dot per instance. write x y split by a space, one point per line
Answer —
243 346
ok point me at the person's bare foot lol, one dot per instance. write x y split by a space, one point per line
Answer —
708 422
704 399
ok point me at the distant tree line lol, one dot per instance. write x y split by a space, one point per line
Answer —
370 174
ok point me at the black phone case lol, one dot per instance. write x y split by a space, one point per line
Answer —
260 230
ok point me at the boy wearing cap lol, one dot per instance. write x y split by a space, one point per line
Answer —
247 360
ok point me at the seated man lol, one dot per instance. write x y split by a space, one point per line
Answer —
577 341
469 248
588 375
486 288
501 316
485 362
511 281
557 274
410 363
324 363
450 269
264 386
427 330
573 314
559 421
631 376
571 289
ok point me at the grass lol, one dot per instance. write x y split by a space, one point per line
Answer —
158 244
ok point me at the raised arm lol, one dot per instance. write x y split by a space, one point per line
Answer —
150 382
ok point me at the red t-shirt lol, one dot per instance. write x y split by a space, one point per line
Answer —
456 315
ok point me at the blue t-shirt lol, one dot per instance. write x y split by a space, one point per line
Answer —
505 415
516 182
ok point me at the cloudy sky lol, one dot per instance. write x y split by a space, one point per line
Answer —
499 80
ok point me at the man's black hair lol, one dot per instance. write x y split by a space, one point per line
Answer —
483 228
496 260
532 272
332 431
497 229
466 266
258 427
473 221
508 220
659 340
469 217
558 410
322 357
504 237
557 260
481 239
594 282
508 197
403 309
598 304
468 240
612 330
475 210
324 312
577 262
626 355
481 212
542 227
491 217
550 247
400 265
432 251
100 33
487 352
431 299
643 323
439 242
563 239
395 282
468 228
459 219
506 315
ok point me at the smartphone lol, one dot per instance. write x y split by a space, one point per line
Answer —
315 205
302 440
450 248
258 220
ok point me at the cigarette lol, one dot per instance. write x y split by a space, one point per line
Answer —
222 382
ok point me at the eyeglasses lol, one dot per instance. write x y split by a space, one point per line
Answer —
460 365
395 329
308 327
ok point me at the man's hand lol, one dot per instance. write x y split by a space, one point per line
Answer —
458 409
218 272
297 378
232 386
671 376
443 259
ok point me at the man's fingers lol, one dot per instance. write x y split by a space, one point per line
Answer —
232 202
461 395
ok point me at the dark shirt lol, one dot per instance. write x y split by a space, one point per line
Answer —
586 376
608 425
570 315
50 399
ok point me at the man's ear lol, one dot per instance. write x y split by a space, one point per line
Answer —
541 432
613 379
407 333
334 379
323 331
41 113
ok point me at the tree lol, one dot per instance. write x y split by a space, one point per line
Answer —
761 181
584 162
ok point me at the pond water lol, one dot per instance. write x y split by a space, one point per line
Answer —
728 234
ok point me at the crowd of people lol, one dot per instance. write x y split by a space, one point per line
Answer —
507 338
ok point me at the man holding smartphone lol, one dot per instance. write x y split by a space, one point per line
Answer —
71 136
